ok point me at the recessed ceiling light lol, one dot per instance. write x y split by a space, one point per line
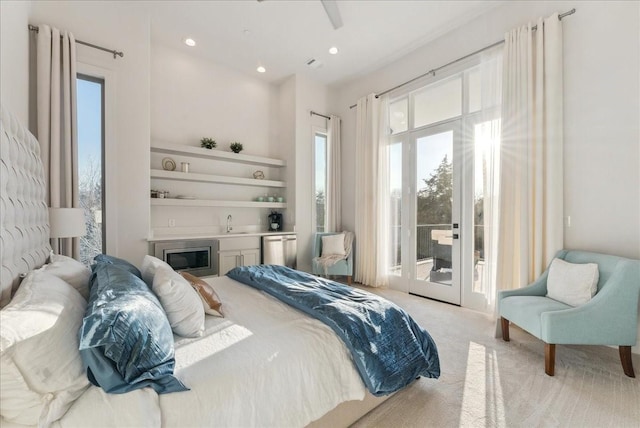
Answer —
190 42
261 69
333 50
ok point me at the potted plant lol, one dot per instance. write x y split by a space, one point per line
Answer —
235 147
207 143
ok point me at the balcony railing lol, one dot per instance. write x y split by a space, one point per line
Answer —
424 243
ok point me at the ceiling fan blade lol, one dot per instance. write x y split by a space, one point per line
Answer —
331 7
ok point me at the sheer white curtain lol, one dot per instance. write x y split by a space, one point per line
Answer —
372 183
531 184
334 219
56 123
486 139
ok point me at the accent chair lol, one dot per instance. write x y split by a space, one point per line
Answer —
609 318
342 267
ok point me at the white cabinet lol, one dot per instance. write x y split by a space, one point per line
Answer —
238 251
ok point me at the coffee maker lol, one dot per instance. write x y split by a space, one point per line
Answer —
275 221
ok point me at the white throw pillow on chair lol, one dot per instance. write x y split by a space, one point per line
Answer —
333 245
571 283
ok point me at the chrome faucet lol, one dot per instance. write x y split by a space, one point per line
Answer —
229 228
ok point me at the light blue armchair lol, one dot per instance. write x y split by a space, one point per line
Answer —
609 318
342 267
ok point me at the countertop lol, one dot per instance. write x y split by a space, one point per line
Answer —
195 236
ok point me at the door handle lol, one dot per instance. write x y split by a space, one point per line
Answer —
456 236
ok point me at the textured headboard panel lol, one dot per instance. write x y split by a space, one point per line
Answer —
24 218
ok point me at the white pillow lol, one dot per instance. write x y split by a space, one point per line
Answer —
149 266
333 245
180 301
570 283
70 271
42 371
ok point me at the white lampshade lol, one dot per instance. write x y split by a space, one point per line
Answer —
66 222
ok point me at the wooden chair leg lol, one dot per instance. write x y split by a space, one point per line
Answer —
505 328
549 358
625 358
349 279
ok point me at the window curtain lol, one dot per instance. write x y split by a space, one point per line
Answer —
486 135
531 183
372 189
334 219
56 121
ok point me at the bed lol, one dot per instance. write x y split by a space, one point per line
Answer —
263 364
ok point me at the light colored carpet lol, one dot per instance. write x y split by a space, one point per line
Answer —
486 382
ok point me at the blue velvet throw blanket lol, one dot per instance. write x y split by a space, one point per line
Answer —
387 346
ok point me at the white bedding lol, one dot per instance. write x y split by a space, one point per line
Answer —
265 364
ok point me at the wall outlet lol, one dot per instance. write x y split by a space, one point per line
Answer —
172 222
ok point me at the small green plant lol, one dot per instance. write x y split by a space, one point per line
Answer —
235 147
208 143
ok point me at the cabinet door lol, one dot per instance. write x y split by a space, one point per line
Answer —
251 257
227 260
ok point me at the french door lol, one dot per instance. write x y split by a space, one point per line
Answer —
426 214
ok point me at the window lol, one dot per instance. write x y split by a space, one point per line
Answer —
320 180
443 159
90 94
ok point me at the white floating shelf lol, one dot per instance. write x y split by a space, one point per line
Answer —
199 152
208 178
213 203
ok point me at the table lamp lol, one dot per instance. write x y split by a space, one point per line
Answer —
66 223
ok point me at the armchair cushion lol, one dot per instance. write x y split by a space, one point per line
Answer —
572 283
528 310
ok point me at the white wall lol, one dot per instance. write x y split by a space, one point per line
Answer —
601 112
14 58
192 98
298 96
126 28
602 153
310 95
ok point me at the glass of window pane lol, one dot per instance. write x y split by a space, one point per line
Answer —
438 102
320 184
395 208
90 136
398 116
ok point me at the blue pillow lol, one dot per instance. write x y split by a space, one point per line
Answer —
121 263
126 341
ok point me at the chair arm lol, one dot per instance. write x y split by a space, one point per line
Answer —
610 318
536 288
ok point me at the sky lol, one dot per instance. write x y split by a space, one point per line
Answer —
89 122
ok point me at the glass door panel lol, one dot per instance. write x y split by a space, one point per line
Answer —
436 202
395 209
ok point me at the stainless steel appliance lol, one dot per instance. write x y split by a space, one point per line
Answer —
199 257
279 250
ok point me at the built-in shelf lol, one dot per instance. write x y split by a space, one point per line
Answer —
208 178
214 203
216 154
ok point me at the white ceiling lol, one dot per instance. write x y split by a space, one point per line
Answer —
283 35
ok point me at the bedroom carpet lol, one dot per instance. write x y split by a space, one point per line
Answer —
486 382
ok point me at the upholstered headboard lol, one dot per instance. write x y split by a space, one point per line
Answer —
24 218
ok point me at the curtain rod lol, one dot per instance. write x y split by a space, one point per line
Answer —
91 45
321 115
433 71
